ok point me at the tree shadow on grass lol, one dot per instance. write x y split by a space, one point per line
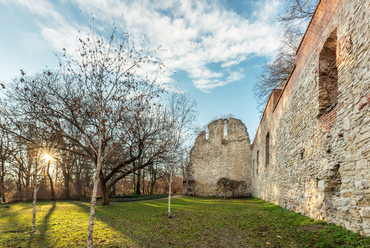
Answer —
45 222
129 220
44 227
146 224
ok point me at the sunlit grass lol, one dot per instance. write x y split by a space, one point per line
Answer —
197 222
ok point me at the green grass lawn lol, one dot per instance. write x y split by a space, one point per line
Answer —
197 222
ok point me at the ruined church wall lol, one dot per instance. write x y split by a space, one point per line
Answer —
319 161
217 157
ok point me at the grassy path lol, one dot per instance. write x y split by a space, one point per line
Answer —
198 222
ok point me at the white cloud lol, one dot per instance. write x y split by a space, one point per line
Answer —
233 62
235 76
56 30
36 7
194 33
206 84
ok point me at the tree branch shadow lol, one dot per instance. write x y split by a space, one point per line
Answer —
44 227
115 216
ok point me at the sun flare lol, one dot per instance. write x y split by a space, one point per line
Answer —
47 157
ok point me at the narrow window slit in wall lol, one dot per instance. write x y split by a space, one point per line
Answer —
267 149
207 133
302 154
258 160
328 76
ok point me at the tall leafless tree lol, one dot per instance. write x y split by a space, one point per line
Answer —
181 115
6 150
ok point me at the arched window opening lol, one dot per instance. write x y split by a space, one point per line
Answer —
328 75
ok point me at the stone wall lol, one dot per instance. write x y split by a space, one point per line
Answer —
223 154
311 153
319 129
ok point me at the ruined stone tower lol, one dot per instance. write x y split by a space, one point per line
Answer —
224 154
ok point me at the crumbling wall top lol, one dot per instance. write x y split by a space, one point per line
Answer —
223 129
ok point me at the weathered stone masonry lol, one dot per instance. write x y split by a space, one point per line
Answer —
319 128
316 131
220 156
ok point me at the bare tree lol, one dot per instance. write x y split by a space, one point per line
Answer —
94 101
22 171
298 10
181 115
275 74
228 184
154 175
224 183
234 184
6 150
102 105
50 155
38 162
37 153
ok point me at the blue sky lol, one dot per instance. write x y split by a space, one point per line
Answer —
214 49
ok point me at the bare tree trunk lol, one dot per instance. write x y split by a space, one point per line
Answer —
2 184
51 183
169 194
79 185
143 182
28 186
152 185
56 174
104 192
67 181
153 179
84 189
19 184
93 204
138 192
187 178
148 188
78 180
34 206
